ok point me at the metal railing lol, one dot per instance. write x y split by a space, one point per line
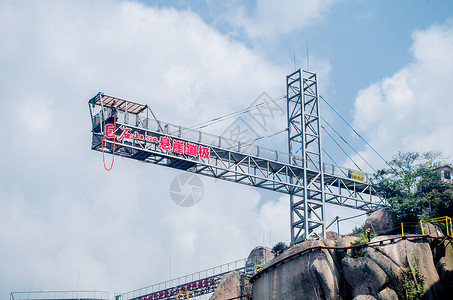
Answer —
214 271
60 295
221 142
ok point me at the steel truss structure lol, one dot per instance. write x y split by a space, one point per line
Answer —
200 283
301 173
304 144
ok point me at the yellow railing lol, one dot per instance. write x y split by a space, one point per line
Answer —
448 224
259 267
184 294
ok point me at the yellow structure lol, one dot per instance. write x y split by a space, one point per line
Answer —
402 229
448 226
259 267
356 175
185 295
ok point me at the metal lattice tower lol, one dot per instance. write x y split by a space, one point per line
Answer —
305 150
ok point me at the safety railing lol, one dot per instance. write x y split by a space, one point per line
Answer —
423 227
211 272
443 221
222 142
185 295
60 295
409 230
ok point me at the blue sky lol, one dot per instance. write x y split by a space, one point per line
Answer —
66 223
363 41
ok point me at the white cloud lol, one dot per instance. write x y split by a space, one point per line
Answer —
272 18
61 213
274 219
412 109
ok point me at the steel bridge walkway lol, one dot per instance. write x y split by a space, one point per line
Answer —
228 160
126 128
200 283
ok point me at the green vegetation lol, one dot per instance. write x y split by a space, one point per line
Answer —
279 248
358 229
414 284
414 281
413 187
361 239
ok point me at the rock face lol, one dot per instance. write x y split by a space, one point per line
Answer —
331 235
387 294
258 257
396 269
364 297
364 276
382 221
313 275
389 268
229 287
443 259
234 285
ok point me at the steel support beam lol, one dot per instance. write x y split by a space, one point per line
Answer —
301 174
305 149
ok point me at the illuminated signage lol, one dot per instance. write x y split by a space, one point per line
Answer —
164 143
182 288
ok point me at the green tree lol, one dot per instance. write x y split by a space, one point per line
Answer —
412 184
279 248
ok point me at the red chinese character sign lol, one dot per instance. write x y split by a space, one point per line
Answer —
179 289
163 142
191 149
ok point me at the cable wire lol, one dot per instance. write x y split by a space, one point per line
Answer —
374 150
341 148
261 138
355 151
233 114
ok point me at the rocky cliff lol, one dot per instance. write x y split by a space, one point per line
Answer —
391 266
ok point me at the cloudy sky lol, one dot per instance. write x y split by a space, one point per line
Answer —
67 224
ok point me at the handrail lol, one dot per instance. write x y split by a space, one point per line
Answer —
57 295
213 140
210 272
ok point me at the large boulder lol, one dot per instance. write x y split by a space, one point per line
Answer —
416 257
364 276
431 229
387 294
327 274
258 257
228 288
443 259
312 275
382 221
331 235
391 269
420 259
364 297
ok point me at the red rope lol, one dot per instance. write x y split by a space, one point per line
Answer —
113 153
